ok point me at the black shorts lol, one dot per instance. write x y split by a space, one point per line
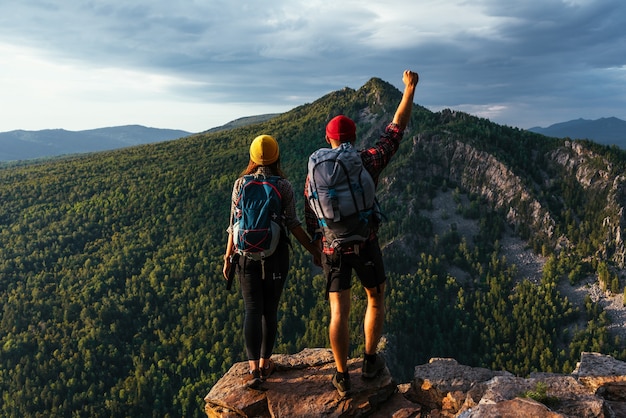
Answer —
367 264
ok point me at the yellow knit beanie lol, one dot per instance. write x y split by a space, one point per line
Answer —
264 150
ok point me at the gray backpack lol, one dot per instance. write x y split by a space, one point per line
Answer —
342 194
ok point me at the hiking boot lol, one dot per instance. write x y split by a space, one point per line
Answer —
373 369
267 371
341 382
253 379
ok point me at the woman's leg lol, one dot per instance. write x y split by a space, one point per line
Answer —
252 292
276 268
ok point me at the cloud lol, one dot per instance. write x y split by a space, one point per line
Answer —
485 54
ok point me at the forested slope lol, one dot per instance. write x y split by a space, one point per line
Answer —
113 302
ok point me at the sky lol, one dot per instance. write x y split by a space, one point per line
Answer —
198 64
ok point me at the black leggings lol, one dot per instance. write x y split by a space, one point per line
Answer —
261 295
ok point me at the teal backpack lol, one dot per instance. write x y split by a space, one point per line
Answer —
256 220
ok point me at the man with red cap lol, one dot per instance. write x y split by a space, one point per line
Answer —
367 261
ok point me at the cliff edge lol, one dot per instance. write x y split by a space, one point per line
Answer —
301 387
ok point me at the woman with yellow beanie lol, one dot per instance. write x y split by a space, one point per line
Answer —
262 281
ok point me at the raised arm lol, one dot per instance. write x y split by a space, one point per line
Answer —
403 113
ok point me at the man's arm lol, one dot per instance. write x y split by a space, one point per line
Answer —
376 158
403 113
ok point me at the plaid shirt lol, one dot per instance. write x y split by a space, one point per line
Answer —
375 159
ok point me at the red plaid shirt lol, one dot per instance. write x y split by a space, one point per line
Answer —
375 159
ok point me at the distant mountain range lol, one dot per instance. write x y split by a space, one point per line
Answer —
26 145
607 131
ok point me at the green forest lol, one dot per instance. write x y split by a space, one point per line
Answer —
113 302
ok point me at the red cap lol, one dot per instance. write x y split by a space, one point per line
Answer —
341 128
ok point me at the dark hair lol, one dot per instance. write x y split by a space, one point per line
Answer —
274 168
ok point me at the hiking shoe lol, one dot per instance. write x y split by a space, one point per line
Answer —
341 382
371 370
253 379
267 371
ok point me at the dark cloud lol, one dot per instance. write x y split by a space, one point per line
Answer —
508 58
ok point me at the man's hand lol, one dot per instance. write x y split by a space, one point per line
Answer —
409 78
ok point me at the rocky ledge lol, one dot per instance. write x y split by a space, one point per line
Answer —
301 387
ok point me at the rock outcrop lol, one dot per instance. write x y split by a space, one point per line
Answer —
522 198
483 174
301 387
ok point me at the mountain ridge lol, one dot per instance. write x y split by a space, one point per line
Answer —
46 143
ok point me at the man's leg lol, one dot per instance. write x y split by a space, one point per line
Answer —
374 318
338 329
